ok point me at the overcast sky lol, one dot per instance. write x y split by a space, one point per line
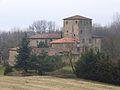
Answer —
21 13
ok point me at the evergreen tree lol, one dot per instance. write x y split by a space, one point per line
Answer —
23 56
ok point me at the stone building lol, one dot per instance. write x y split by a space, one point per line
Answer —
44 37
77 37
80 28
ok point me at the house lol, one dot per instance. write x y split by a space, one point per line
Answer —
43 37
78 28
77 38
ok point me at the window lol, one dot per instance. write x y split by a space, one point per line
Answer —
80 22
84 22
78 49
66 22
67 31
90 41
76 22
83 41
74 34
50 39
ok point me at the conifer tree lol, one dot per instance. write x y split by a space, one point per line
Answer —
23 56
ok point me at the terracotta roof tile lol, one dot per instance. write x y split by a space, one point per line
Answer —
64 40
76 17
45 36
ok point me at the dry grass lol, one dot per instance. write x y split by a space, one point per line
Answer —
49 83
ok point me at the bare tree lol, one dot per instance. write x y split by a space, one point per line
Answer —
39 26
51 26
10 39
43 26
111 36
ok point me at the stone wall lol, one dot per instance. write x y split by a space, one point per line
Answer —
12 56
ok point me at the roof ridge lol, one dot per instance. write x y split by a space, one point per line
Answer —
76 17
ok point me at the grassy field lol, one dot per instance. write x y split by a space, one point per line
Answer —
1 70
50 83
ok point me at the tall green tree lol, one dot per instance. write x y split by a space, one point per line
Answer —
23 56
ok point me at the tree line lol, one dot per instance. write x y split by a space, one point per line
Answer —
12 38
110 37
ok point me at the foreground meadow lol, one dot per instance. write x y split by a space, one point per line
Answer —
50 83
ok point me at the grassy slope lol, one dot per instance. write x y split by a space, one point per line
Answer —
49 83
1 70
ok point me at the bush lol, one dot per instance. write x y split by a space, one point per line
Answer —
44 63
97 66
85 67
8 70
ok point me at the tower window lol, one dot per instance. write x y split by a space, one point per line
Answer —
67 31
83 41
81 22
76 22
74 34
81 31
66 22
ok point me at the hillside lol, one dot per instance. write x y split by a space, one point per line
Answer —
49 83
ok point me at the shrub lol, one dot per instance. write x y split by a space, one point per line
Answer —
85 67
44 63
8 70
97 66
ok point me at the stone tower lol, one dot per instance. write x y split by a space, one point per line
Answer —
78 27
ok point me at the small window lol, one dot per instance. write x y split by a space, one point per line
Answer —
84 22
80 22
50 39
74 34
78 49
81 31
76 22
67 31
66 22
83 41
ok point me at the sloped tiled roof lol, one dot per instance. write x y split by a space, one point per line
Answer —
65 40
45 36
76 17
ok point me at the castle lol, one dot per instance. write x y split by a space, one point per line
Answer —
77 37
